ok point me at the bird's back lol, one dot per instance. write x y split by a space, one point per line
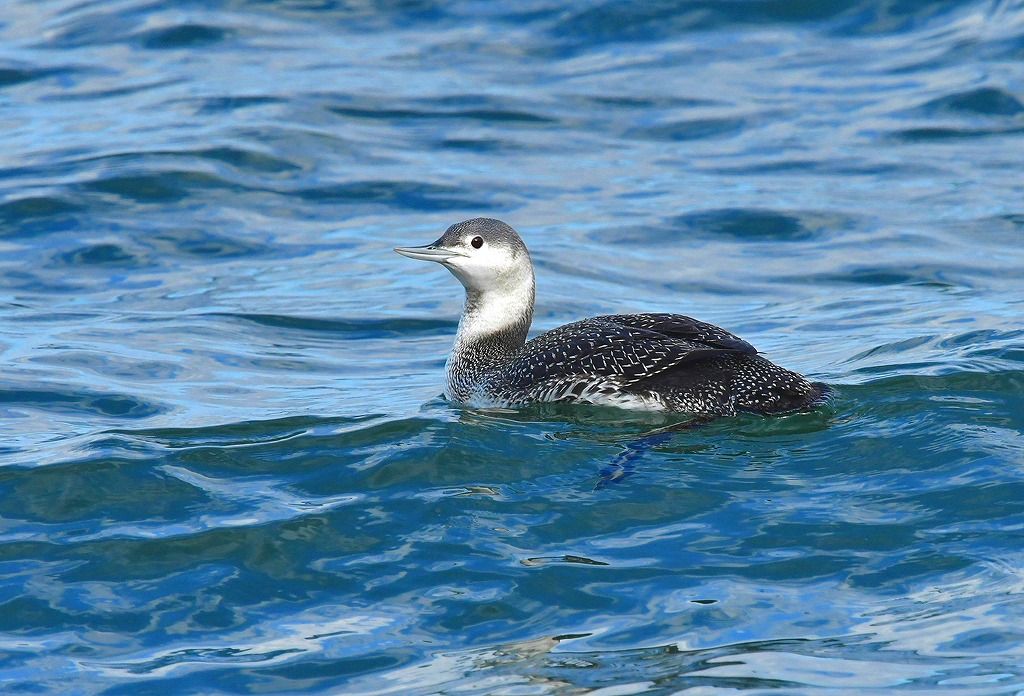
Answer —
663 361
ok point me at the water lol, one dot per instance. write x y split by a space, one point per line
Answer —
226 466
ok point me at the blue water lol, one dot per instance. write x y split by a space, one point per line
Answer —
226 465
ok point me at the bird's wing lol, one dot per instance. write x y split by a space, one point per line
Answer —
602 350
680 326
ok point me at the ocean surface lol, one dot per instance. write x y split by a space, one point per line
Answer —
227 466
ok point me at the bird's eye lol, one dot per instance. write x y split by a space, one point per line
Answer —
477 242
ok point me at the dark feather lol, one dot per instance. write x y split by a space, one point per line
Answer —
626 348
680 326
688 365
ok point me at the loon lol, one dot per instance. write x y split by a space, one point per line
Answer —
655 362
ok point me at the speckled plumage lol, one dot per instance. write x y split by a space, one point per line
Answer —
664 362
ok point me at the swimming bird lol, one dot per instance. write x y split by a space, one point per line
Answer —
657 362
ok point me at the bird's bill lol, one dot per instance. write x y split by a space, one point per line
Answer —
428 253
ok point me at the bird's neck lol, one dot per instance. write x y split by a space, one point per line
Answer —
496 318
493 327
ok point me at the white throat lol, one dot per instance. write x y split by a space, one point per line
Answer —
503 310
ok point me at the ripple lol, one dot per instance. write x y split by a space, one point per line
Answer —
243 159
614 21
102 255
204 244
38 215
87 93
157 187
768 668
216 105
642 104
759 224
735 223
481 145
77 401
930 275
16 76
356 329
983 101
545 560
183 36
205 656
247 159
411 195
455 109
105 364
690 129
16 614
101 492
234 434
355 17
91 27
830 167
939 133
